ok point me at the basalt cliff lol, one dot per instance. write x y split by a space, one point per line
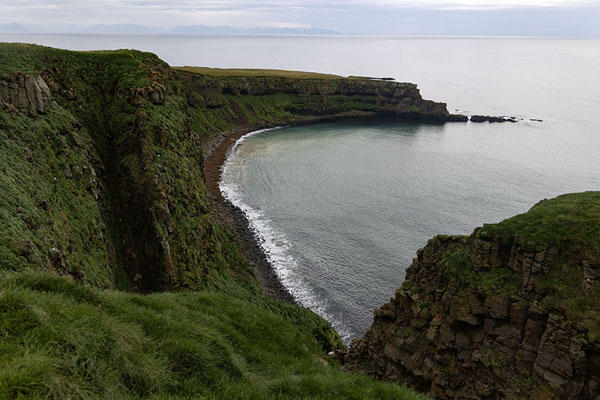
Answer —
509 312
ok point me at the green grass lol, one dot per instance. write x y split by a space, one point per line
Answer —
63 340
456 264
49 220
238 72
570 222
109 226
130 66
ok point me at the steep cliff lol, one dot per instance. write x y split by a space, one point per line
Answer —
104 174
219 103
511 311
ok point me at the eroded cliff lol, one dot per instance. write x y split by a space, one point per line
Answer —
511 311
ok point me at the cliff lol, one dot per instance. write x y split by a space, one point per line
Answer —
511 311
104 209
281 99
118 136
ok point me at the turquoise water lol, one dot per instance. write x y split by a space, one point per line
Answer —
342 207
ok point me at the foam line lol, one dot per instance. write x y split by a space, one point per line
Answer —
274 243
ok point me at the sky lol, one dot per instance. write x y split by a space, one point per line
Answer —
353 17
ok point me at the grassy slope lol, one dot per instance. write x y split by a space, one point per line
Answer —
142 160
48 220
60 339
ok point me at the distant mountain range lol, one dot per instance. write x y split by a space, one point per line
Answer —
228 30
134 29
13 28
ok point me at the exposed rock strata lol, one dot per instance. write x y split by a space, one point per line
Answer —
24 94
319 95
483 329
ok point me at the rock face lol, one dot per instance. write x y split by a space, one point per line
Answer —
24 94
320 96
485 318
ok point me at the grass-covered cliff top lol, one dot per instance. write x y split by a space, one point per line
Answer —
130 66
237 72
570 222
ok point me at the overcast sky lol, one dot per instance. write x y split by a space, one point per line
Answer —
370 17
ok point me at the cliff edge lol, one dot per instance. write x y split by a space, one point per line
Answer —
509 312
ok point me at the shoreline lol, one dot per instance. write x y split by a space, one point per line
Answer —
235 220
216 151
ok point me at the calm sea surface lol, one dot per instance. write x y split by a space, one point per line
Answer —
342 207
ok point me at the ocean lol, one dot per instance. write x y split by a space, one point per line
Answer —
342 207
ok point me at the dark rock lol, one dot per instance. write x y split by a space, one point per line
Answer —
479 118
488 118
481 343
24 94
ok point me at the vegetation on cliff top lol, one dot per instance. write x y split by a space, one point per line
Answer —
223 72
570 222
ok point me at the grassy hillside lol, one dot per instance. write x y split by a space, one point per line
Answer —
107 186
63 340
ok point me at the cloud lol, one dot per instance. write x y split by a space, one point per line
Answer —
350 16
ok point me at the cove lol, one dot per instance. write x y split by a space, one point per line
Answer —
340 208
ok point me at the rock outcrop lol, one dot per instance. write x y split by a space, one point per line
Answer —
24 94
489 316
320 96
488 118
